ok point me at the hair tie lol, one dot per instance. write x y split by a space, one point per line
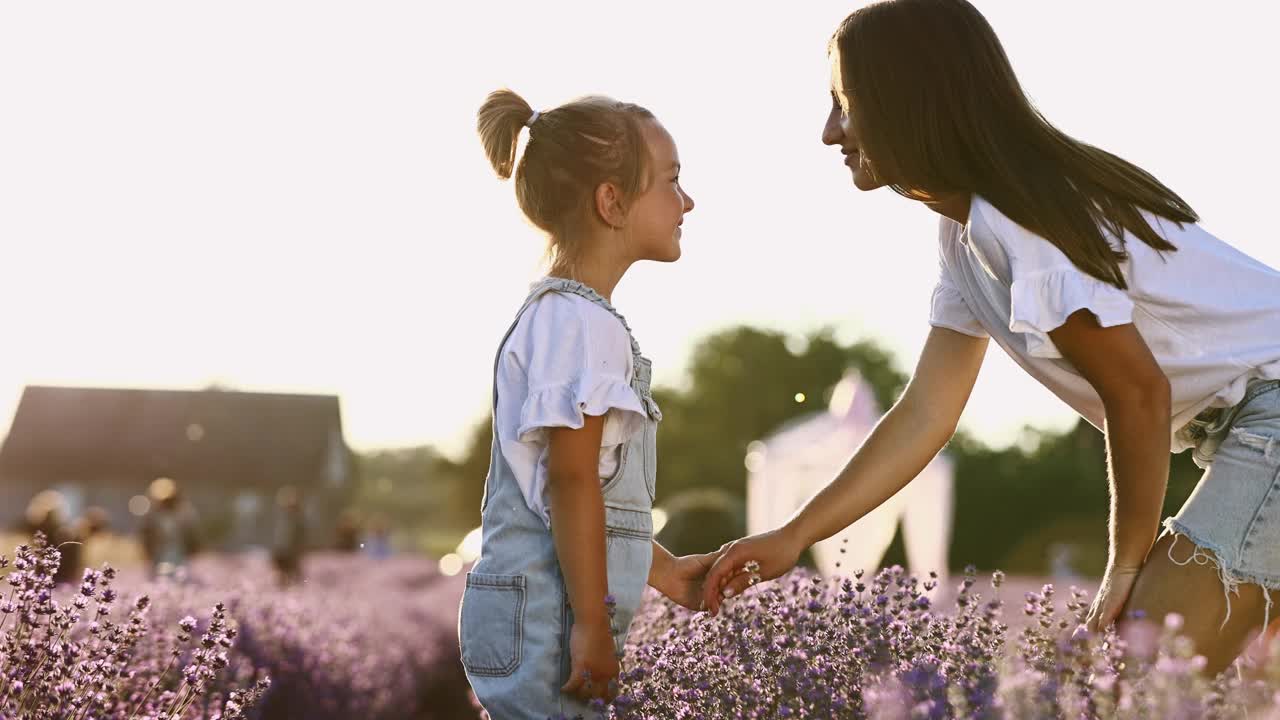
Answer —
532 119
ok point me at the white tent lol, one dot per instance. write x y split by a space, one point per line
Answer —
788 467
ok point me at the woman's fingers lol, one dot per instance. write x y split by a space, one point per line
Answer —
717 576
736 585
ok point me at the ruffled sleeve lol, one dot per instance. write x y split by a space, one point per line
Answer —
578 364
948 308
1046 287
1042 301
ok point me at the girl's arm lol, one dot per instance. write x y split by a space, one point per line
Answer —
904 441
577 529
660 570
679 578
1135 393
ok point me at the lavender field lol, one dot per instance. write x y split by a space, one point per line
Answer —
356 639
880 648
361 639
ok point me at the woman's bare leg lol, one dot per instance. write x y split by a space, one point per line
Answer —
1195 591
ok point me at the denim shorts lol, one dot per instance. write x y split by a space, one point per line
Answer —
1233 515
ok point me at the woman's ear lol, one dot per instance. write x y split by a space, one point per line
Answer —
608 205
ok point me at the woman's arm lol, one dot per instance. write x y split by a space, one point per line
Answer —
1135 393
904 441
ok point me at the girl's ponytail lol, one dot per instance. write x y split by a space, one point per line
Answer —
499 122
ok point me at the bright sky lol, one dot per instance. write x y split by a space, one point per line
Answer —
290 196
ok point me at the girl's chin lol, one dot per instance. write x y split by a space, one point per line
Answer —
671 253
668 251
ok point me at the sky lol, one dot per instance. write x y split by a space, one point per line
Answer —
291 197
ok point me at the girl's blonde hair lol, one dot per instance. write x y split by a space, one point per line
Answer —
572 149
938 109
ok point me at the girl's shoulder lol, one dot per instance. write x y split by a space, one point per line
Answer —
557 310
569 324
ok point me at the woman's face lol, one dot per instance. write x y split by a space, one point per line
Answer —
839 131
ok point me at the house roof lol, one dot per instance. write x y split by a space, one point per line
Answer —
234 438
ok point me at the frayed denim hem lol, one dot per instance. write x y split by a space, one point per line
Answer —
1207 553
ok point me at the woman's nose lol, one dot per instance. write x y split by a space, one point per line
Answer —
831 132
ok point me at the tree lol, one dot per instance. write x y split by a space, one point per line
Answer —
743 383
470 472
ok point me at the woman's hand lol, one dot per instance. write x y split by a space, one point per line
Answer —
775 551
1117 583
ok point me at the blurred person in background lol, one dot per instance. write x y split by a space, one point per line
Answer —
377 543
46 513
170 529
290 538
347 533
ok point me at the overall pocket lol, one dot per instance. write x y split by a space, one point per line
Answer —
491 624
650 442
651 459
629 557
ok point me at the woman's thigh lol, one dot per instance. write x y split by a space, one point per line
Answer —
1180 578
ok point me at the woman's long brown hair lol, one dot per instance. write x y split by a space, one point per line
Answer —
938 109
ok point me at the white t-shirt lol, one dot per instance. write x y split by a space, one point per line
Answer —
1209 313
567 357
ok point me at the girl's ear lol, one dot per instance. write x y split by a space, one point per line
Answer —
608 205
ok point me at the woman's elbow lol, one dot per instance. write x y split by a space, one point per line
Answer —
928 420
1152 394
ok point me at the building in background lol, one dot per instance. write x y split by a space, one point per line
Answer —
786 468
230 452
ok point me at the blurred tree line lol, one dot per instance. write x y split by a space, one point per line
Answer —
1016 507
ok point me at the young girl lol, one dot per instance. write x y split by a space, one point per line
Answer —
568 536
1097 280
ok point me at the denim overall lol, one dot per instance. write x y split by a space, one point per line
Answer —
514 622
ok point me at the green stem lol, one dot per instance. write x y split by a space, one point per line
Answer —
154 685
36 673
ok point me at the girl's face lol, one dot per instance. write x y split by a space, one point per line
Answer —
658 212
839 131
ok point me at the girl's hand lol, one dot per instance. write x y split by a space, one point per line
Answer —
776 552
595 660
683 583
1117 583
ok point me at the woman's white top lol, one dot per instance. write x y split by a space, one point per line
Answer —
1209 313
